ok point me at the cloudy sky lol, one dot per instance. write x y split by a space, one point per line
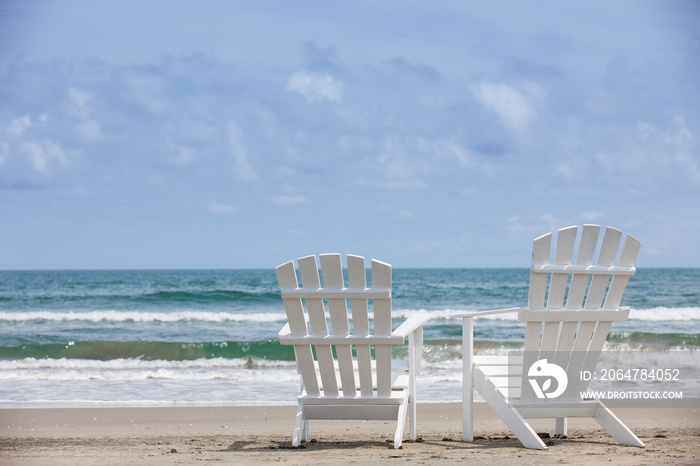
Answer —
230 134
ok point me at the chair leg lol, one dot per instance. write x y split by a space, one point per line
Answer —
527 436
300 427
412 416
305 430
616 427
400 423
467 379
561 426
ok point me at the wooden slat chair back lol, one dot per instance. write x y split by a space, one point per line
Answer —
574 298
346 366
572 302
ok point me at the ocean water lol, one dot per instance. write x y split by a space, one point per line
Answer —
209 337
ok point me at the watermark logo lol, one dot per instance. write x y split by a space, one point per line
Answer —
541 369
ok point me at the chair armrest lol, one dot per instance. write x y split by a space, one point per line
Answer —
490 313
410 325
413 329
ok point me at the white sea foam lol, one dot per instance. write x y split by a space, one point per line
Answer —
666 314
210 382
653 314
139 364
136 316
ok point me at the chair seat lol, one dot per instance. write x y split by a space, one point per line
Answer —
398 382
504 372
396 365
396 397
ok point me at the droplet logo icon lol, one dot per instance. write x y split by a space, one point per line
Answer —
542 369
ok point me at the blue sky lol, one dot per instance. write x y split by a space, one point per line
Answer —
182 134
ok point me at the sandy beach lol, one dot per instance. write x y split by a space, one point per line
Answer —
262 434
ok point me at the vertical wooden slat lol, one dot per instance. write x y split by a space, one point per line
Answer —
357 279
565 343
317 318
587 244
538 281
332 270
608 250
577 293
287 278
606 256
566 238
593 354
583 336
586 251
550 336
562 256
628 256
381 277
630 250
596 291
599 337
579 352
360 322
333 278
533 333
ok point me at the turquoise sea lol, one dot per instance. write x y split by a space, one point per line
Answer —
208 337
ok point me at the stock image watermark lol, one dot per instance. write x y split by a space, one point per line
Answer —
636 376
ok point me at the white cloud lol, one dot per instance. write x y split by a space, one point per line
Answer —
44 153
683 140
691 166
316 86
289 200
552 222
514 108
3 152
451 149
148 91
399 168
185 156
241 167
79 98
19 125
660 146
87 127
538 226
592 216
222 209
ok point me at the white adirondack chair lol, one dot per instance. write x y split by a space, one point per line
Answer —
339 383
571 306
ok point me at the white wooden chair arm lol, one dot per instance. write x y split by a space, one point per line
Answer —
413 329
410 325
491 312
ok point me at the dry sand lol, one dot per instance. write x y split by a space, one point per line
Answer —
262 435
